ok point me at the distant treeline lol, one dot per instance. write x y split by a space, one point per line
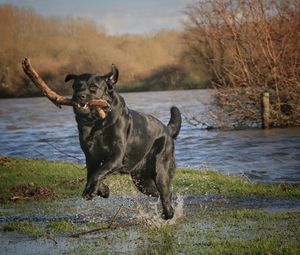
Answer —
61 45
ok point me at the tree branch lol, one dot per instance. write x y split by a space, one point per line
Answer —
55 98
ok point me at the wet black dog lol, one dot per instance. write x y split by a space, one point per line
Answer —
124 141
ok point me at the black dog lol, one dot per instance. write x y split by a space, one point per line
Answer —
124 141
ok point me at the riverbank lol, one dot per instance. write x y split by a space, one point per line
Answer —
20 179
42 212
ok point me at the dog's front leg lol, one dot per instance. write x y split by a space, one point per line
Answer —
92 166
94 183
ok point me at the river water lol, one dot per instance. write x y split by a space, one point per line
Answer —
35 128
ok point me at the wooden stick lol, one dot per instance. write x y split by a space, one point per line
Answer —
99 102
101 113
39 82
55 98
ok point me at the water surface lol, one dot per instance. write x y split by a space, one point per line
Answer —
35 128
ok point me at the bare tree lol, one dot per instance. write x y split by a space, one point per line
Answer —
248 47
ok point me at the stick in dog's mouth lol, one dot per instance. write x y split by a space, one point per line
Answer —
57 99
101 106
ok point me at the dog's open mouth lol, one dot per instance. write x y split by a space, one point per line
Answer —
84 107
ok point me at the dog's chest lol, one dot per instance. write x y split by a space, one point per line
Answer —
93 141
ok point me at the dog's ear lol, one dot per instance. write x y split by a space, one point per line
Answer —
112 77
70 77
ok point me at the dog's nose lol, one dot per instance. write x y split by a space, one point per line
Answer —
81 97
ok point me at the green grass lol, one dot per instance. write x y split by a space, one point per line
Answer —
60 177
23 227
60 226
68 180
212 182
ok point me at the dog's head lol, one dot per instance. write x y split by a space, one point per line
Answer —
87 87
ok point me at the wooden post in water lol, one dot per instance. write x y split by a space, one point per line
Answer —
265 114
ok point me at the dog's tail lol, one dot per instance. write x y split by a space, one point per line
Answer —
175 122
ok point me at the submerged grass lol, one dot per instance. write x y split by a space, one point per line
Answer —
245 231
241 231
236 232
68 179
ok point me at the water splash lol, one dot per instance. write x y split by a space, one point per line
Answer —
151 215
139 209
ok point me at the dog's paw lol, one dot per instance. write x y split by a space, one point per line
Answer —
90 190
167 215
103 191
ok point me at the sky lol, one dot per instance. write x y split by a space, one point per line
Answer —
116 16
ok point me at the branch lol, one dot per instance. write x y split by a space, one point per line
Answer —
77 235
55 98
39 82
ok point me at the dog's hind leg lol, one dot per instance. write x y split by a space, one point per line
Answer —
163 181
164 166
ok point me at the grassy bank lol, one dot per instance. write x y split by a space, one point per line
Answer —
53 211
21 178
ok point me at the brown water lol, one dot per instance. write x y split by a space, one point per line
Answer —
35 128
